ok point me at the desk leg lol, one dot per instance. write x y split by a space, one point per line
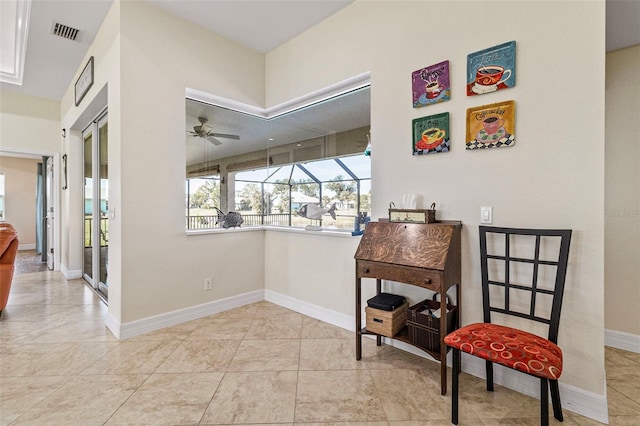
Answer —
378 291
459 304
358 319
443 346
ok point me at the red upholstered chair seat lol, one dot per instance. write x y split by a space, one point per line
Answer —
510 347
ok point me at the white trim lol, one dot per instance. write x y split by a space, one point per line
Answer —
26 153
309 309
145 325
353 83
70 274
579 401
621 340
575 399
57 221
113 325
26 246
19 45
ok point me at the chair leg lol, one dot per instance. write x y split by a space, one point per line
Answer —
489 369
544 402
455 376
555 400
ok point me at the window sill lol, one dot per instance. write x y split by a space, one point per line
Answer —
323 232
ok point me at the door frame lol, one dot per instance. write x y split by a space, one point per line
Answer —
93 127
37 155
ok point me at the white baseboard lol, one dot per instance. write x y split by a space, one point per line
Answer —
314 311
621 340
26 246
575 399
579 401
135 328
70 274
585 403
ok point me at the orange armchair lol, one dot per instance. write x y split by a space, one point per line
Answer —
8 251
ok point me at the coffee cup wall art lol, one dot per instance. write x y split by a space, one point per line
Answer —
431 85
491 69
431 134
491 126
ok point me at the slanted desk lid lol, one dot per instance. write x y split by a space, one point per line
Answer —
408 244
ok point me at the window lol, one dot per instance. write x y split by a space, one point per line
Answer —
303 168
338 188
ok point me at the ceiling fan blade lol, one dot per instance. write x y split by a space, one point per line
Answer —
213 140
223 135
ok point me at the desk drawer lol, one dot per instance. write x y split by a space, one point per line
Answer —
426 278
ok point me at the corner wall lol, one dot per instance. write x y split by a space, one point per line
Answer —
622 199
552 177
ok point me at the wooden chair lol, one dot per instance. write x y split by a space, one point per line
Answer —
503 291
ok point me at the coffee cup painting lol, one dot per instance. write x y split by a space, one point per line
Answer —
430 85
491 69
491 126
431 134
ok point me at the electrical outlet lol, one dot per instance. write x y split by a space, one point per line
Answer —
208 283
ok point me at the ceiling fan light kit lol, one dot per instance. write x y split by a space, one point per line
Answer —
205 131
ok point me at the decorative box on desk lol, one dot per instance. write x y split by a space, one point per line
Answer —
386 323
423 255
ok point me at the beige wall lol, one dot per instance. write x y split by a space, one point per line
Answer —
622 191
20 196
316 269
29 124
147 58
552 177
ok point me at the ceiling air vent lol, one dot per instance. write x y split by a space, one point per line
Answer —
64 31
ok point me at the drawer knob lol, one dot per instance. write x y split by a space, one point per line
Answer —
427 280
366 270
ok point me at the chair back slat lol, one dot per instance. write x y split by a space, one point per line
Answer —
531 286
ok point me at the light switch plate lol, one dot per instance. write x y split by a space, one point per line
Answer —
486 215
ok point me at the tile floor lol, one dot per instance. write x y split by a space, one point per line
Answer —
261 363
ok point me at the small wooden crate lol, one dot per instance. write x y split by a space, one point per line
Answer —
386 323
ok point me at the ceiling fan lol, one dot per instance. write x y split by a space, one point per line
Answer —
206 132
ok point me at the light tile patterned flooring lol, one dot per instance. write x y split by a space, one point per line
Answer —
261 363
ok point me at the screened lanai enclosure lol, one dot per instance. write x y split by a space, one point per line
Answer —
276 195
306 168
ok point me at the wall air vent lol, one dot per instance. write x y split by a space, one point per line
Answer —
64 31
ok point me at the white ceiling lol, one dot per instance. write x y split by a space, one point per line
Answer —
338 114
259 24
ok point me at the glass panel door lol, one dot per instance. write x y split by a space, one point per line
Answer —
88 205
96 208
103 195
50 213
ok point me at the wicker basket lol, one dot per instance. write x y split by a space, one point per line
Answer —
424 329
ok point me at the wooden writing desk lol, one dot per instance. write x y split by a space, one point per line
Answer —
423 255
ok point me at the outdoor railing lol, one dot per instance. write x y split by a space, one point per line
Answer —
104 231
278 219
